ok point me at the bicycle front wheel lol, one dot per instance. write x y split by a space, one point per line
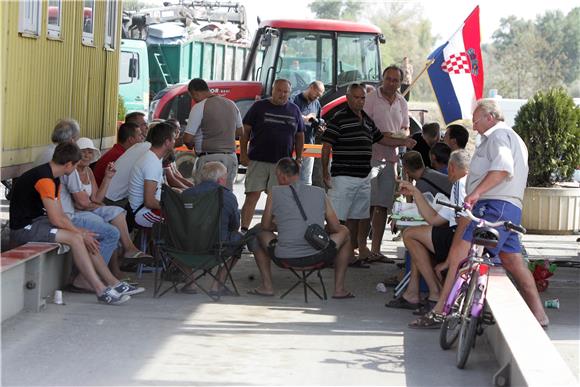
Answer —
468 324
452 323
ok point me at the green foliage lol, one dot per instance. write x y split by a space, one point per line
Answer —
526 56
121 110
549 124
407 33
336 9
137 5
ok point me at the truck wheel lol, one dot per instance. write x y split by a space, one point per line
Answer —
185 162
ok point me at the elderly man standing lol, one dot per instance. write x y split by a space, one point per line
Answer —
273 127
388 109
309 105
350 136
211 129
495 188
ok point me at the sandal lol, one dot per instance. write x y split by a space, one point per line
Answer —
401 303
359 264
430 320
425 308
140 256
378 257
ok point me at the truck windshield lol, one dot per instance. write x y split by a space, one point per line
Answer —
358 59
305 56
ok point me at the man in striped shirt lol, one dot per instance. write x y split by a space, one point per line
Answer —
349 136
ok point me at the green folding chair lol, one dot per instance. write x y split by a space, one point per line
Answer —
188 245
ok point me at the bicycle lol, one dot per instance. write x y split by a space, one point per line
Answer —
463 309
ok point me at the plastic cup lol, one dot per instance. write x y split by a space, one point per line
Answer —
58 297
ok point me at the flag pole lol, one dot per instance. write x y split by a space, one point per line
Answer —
427 64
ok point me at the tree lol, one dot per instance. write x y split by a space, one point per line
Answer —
407 33
336 9
527 56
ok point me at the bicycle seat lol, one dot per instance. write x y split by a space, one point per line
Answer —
486 236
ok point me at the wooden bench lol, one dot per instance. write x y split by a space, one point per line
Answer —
30 274
524 351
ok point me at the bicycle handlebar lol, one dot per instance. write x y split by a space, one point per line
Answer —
507 224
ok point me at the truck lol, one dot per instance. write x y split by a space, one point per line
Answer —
337 53
175 43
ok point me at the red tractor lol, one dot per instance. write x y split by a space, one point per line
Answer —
337 53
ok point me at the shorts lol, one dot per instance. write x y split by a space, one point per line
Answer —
494 211
325 256
108 213
382 184
40 230
442 238
350 197
146 217
229 160
260 176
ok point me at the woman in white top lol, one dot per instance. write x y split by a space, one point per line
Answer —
91 199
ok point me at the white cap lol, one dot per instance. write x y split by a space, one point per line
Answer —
87 143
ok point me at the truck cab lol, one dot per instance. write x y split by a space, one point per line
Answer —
336 53
134 75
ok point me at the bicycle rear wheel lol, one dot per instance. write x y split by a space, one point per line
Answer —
451 325
469 324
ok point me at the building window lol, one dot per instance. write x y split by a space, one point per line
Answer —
29 17
54 18
88 22
111 24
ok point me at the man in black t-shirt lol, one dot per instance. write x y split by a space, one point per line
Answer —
36 215
430 136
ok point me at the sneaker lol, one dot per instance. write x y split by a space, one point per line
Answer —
129 290
112 297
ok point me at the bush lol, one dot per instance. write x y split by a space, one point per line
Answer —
549 124
121 110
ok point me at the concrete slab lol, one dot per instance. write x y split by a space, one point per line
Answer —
189 340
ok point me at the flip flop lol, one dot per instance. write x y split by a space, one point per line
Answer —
221 293
255 292
359 264
430 320
139 255
378 257
188 290
347 295
75 289
401 303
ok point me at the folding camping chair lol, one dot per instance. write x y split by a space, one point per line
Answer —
188 241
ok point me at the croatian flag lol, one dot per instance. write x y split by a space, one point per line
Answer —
457 71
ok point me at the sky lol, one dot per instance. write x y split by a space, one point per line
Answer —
446 15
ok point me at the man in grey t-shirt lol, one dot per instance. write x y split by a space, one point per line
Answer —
214 122
282 215
426 179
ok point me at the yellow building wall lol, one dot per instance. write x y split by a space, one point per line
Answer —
44 80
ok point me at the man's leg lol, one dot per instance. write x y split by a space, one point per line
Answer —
379 221
343 256
249 207
81 258
418 241
120 222
362 234
263 261
306 170
514 264
352 225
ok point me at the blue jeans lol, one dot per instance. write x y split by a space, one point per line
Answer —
107 234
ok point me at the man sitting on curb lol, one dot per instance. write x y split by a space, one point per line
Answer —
436 238
282 215
36 215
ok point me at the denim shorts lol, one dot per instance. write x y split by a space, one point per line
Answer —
494 211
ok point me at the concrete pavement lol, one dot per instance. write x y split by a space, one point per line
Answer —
190 340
